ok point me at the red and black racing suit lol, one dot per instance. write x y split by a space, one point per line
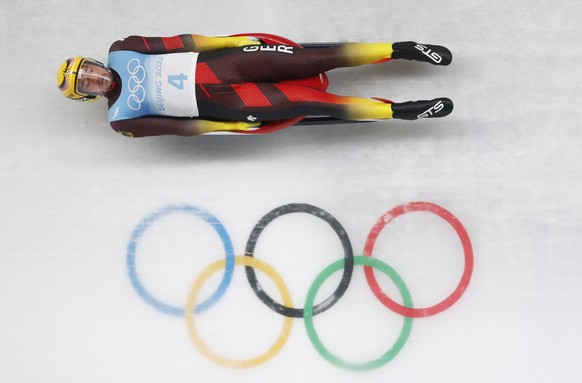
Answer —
238 87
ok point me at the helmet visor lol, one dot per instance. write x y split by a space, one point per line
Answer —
94 78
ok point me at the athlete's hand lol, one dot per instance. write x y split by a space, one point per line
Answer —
248 40
242 126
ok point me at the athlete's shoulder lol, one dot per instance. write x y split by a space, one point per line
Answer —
132 42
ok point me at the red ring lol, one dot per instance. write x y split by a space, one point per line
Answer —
467 249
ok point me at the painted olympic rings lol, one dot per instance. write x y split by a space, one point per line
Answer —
147 222
318 344
287 321
339 230
467 249
310 309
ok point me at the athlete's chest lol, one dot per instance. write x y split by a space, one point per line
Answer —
154 85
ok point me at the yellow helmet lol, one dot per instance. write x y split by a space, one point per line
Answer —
67 77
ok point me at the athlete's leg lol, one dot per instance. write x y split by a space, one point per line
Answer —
303 101
241 84
268 101
273 63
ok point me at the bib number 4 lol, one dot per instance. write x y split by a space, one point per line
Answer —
177 80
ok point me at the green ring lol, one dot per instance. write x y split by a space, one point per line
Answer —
308 318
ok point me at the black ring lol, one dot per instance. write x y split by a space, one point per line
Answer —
339 230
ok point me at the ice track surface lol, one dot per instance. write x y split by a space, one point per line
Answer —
105 240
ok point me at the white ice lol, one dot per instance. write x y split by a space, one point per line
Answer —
506 163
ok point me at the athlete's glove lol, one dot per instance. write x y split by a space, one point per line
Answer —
244 41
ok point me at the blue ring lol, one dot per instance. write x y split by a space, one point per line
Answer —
216 225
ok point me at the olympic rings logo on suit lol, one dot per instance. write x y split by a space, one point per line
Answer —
193 308
136 90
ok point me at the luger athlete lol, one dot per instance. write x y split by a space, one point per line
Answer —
191 84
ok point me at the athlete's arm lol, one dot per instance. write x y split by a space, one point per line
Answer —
177 126
180 43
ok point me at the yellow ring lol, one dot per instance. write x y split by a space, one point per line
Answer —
287 322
